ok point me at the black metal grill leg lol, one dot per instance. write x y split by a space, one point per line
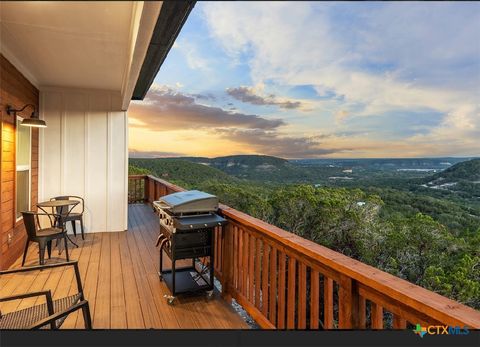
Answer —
160 270
173 277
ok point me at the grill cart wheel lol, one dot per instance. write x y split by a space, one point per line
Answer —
170 299
209 295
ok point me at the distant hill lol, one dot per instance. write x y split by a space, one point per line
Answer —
258 168
463 177
179 171
467 170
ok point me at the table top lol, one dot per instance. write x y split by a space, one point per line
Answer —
58 203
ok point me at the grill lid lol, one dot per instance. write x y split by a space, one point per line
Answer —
189 201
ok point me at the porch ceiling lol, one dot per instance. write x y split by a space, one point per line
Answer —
71 44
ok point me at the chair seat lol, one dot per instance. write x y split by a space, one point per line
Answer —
49 231
23 319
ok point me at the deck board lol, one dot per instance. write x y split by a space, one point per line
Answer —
119 271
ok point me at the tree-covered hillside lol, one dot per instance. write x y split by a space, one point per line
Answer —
180 171
468 170
429 240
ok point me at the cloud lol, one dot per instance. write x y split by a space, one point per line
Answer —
273 143
248 95
425 58
195 60
340 116
165 109
206 96
134 153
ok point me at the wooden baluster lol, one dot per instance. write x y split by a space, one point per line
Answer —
302 296
362 321
139 189
345 303
227 266
273 285
328 303
240 260
145 189
399 322
281 291
266 252
135 190
258 258
251 269
291 293
377 316
245 245
314 299
235 257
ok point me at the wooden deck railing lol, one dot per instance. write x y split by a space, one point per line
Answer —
287 282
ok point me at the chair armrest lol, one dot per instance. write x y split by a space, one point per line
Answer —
47 294
48 297
52 318
40 267
73 263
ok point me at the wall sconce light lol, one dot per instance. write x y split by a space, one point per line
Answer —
33 121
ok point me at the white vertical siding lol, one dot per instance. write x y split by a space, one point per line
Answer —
83 152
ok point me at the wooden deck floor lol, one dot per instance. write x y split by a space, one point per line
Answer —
119 271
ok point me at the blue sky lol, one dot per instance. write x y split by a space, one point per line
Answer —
317 79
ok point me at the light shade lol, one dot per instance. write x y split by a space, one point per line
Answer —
33 122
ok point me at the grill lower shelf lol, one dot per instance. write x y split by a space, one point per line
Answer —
184 281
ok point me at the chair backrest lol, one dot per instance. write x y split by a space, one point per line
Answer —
30 223
64 209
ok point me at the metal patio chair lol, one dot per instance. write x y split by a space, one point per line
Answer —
53 312
43 237
72 216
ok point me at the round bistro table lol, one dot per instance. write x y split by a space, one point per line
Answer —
59 203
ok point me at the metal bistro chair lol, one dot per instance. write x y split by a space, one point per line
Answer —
52 313
68 216
44 236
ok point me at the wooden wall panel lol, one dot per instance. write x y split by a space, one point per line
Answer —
17 91
84 152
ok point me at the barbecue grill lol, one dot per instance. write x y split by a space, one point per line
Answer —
187 220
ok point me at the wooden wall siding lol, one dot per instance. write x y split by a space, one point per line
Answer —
285 281
17 91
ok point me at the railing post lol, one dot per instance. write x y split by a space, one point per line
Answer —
145 188
227 262
151 190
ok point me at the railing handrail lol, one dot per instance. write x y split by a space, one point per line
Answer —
434 305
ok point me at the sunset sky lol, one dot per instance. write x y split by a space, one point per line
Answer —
316 80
